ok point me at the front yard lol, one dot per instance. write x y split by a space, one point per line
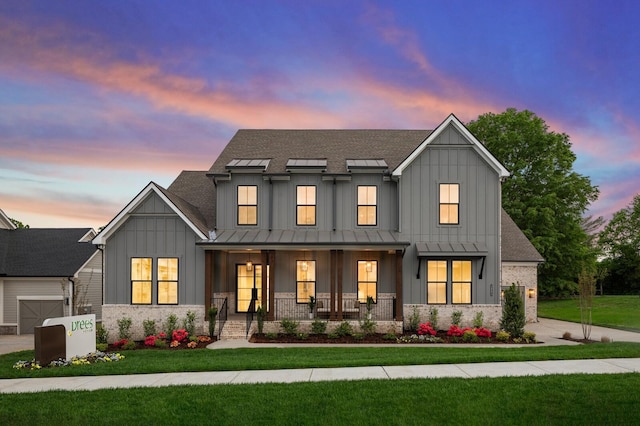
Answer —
621 312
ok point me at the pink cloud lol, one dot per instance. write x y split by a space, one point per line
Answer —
58 211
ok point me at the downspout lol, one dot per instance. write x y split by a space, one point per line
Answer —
335 207
104 272
70 279
270 204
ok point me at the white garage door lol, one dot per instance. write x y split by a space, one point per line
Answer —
33 312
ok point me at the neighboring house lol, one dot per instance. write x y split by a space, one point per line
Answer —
409 218
38 271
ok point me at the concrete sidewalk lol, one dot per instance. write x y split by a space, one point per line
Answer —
493 369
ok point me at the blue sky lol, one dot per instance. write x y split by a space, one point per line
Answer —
99 98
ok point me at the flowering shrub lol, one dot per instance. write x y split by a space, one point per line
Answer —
482 332
162 335
150 340
456 331
192 345
174 344
425 328
92 358
179 335
120 343
204 339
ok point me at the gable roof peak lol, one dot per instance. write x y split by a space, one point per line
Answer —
453 121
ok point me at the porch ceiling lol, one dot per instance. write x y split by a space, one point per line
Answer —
291 239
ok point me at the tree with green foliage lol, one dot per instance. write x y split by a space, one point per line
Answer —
545 197
17 223
513 316
620 241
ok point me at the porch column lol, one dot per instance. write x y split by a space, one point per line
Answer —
398 285
340 256
332 286
271 262
208 281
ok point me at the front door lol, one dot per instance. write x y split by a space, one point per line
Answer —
249 284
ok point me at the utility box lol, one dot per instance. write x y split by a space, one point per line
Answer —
50 343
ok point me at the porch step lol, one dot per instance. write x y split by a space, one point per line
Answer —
234 330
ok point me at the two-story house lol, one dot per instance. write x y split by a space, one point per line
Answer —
408 219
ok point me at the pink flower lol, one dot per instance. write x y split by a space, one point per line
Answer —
180 335
425 328
482 332
454 330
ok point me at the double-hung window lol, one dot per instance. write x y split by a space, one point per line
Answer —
449 204
437 282
449 277
141 280
460 281
247 205
367 205
367 280
305 280
167 281
306 205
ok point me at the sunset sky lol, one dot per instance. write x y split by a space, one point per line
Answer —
97 98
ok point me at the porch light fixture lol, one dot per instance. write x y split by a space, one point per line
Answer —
532 293
249 264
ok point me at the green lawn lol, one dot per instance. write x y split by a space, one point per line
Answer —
556 399
622 312
157 361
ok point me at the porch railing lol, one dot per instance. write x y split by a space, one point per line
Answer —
383 310
223 311
250 311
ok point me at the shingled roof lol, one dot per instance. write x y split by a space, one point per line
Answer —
199 192
336 146
35 252
516 247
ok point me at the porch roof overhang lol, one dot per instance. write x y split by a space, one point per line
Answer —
304 239
458 249
443 249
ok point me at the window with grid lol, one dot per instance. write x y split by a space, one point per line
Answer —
141 280
367 205
306 205
436 282
367 280
305 280
167 281
461 281
449 203
247 205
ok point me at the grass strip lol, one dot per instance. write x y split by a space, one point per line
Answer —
163 361
557 399
621 312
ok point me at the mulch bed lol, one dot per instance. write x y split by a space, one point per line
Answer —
371 338
140 345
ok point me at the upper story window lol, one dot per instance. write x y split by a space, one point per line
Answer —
449 203
247 205
167 281
306 205
141 280
367 205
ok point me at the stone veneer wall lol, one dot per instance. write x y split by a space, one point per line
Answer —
491 317
138 313
526 275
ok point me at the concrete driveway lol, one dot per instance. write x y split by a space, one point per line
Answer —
10 344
